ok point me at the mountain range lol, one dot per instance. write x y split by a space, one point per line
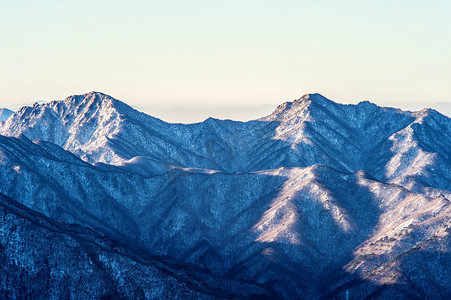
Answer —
316 200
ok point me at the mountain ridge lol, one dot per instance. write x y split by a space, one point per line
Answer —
153 128
316 192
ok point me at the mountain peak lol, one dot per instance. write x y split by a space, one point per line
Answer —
299 106
94 101
91 97
98 96
315 98
94 93
312 97
82 124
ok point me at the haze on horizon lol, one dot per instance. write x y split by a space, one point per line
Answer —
183 61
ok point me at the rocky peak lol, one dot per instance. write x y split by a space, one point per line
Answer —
301 107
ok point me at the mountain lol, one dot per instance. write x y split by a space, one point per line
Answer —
443 107
5 113
63 260
318 199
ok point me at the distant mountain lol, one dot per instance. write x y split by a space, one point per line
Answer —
444 107
5 113
318 199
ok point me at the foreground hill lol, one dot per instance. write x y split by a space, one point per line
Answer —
318 199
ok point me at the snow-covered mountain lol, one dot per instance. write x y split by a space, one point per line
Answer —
318 199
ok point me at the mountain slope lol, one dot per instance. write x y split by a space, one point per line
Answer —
259 227
5 113
318 199
51 259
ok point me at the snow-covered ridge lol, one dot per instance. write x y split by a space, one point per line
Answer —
388 143
297 204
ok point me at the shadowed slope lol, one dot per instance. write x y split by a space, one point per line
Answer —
299 203
46 258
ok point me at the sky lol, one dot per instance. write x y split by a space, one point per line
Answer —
187 60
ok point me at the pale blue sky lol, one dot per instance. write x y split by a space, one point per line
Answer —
197 55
